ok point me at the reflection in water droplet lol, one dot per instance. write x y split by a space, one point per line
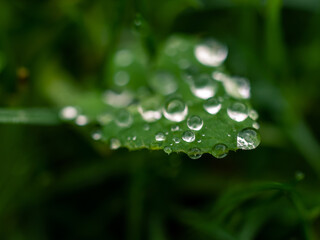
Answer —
160 137
115 99
115 143
175 110
68 113
188 136
253 114
176 140
203 87
124 118
220 150
82 120
167 150
175 128
121 78
237 111
211 53
123 58
248 139
195 123
194 153
164 83
212 105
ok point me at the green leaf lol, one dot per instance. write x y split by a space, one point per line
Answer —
185 101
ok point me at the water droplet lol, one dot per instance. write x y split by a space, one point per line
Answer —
115 143
248 139
121 78
220 150
203 135
253 114
195 123
175 128
199 141
163 83
237 111
176 140
211 53
134 138
146 127
188 136
69 113
212 105
149 115
96 135
255 125
237 87
175 110
167 150
194 153
160 137
124 118
82 120
115 99
123 58
203 87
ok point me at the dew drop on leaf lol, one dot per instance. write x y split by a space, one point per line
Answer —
195 123
194 153
220 150
211 53
68 113
160 137
203 86
82 120
115 143
175 110
167 150
237 111
176 140
124 118
175 128
188 136
248 139
212 106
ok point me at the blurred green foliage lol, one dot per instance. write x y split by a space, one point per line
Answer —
57 183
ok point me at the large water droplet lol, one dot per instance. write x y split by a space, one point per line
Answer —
69 113
188 136
237 111
115 143
175 110
160 137
115 99
167 150
123 58
212 105
248 139
211 53
220 150
124 118
194 153
195 123
203 86
164 83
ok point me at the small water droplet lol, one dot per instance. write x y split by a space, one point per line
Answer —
176 140
134 138
237 87
117 99
237 111
175 128
203 135
211 53
188 136
212 105
220 150
163 83
82 120
160 137
203 86
199 141
248 139
121 78
115 143
256 125
69 113
253 114
195 123
97 135
175 110
124 118
167 150
194 153
149 115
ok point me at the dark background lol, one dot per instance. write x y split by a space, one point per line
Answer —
57 183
